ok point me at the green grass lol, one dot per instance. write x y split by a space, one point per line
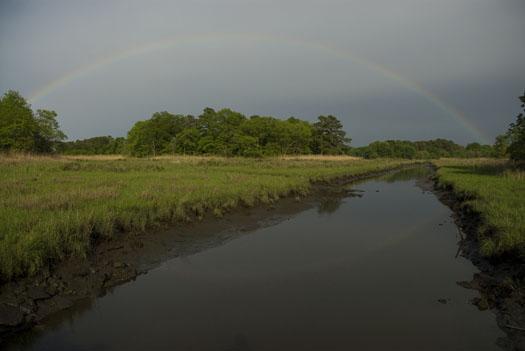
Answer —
52 208
497 192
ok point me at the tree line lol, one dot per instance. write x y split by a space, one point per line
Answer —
427 149
229 133
22 129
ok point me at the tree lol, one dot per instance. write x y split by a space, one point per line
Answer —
265 131
217 128
101 145
501 146
478 150
18 126
209 145
23 130
295 136
245 145
517 135
155 136
48 133
140 141
187 141
329 136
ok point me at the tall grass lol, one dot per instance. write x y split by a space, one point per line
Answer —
51 208
495 190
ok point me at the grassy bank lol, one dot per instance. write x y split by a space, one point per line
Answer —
54 207
495 190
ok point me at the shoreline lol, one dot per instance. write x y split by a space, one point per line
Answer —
31 301
500 278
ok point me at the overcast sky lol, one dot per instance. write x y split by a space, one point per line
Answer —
389 69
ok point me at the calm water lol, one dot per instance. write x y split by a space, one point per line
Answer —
356 274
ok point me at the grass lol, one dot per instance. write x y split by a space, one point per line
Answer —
495 190
53 207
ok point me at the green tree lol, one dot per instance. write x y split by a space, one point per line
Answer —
478 150
517 135
156 135
211 146
18 126
48 133
187 141
217 128
329 136
295 136
245 145
264 130
501 145
101 145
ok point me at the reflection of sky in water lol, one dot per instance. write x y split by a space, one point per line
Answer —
365 276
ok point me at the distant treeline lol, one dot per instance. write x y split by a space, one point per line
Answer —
224 132
102 145
229 133
423 149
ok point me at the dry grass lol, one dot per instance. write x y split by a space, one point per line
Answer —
94 157
26 157
320 157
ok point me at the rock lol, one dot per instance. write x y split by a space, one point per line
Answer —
481 303
37 293
83 272
10 316
443 301
119 265
473 285
47 307
520 345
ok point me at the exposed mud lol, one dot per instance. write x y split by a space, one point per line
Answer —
501 283
28 302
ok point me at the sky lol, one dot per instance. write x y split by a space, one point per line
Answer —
403 69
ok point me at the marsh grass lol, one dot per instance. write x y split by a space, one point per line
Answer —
496 190
54 207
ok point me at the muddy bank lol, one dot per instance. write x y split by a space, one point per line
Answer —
501 282
31 301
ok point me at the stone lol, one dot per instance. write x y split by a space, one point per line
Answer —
10 316
37 293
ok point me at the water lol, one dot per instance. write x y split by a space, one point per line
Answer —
350 274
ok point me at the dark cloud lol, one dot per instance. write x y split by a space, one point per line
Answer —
469 53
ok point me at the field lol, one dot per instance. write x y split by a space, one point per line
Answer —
54 207
495 190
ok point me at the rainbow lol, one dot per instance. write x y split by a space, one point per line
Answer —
167 43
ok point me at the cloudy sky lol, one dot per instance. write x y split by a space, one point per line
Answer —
403 69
